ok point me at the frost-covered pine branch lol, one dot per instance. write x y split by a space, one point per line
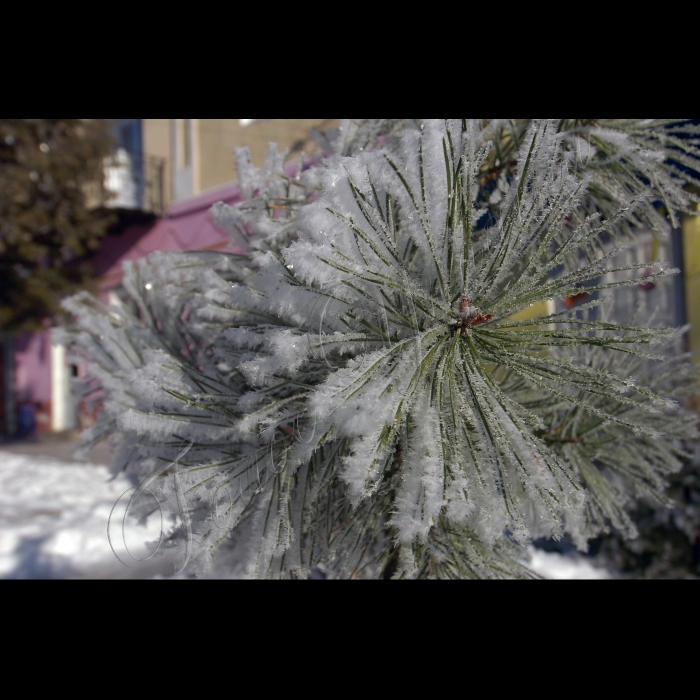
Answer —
357 384
653 160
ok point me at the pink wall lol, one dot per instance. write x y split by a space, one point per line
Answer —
33 377
32 355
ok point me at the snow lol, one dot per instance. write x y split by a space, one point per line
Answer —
53 522
555 566
54 517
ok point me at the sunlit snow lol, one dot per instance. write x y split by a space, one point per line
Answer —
53 522
552 565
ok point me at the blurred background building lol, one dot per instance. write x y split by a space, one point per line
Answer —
689 252
162 178
161 161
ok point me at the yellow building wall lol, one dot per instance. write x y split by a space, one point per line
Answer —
691 269
213 141
541 308
218 137
157 142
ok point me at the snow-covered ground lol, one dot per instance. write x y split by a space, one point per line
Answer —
552 565
53 522
54 516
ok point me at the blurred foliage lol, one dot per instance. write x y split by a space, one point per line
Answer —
668 545
51 171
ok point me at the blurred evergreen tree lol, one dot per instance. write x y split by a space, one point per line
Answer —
51 172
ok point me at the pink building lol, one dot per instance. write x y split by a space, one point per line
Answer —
42 399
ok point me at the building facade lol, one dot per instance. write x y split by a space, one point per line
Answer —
691 278
161 180
199 152
161 161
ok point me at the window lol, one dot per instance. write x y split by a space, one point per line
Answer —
187 143
184 143
182 148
